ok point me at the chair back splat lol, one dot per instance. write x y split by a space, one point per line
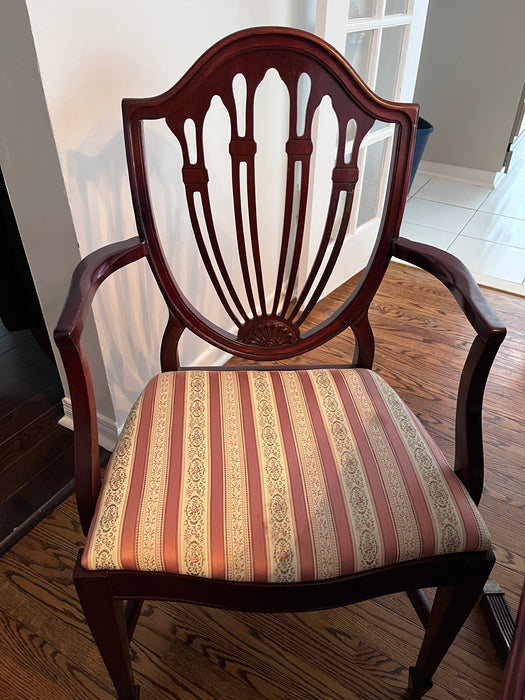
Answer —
266 317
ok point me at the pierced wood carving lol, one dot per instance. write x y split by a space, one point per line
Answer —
268 332
267 295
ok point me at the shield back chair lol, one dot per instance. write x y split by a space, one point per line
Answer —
274 487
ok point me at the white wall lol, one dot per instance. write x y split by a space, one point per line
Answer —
470 80
35 181
91 54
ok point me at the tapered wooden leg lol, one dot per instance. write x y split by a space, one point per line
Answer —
452 605
107 622
132 612
420 604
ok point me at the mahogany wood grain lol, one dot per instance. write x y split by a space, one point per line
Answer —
268 331
87 278
352 653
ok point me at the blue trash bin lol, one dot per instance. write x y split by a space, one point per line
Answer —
424 129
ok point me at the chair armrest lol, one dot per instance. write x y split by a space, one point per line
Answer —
87 278
458 278
490 332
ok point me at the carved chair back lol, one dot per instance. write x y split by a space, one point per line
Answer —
265 318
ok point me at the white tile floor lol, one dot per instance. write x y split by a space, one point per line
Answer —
484 228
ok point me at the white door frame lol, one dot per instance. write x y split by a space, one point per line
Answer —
333 24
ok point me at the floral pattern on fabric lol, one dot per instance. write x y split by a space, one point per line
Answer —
364 525
324 538
449 528
103 545
194 536
281 539
403 517
149 530
353 482
236 521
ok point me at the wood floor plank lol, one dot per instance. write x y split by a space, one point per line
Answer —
360 652
25 412
31 668
9 341
31 433
33 472
34 461
24 370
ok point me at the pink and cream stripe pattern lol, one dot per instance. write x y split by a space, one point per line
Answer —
276 476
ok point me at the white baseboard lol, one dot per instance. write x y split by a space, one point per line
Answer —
485 178
107 429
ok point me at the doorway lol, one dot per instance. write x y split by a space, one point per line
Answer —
36 454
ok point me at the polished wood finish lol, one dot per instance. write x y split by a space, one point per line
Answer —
360 652
266 334
87 278
36 469
269 323
468 458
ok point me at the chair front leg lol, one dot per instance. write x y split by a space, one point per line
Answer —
107 621
452 605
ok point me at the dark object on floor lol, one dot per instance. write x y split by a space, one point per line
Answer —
424 129
498 616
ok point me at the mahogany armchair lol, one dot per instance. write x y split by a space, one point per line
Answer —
275 488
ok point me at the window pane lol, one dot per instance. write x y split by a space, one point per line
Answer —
374 164
361 8
389 69
357 52
379 125
396 7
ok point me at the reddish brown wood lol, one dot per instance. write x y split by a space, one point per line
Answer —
308 595
420 603
169 355
292 53
106 618
451 607
490 331
272 331
87 277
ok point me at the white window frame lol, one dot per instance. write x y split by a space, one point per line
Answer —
332 24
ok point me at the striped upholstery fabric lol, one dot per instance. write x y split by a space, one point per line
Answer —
276 476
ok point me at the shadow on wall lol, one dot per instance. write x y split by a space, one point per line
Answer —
129 310
127 307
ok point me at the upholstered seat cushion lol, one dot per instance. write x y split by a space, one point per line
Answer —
276 476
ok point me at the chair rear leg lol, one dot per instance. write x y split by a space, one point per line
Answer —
107 621
452 605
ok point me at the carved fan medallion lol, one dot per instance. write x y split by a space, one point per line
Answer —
268 332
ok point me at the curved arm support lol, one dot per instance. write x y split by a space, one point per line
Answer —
364 343
454 275
490 333
469 462
87 277
169 352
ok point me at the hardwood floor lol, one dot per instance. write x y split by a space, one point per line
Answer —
359 652
36 454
